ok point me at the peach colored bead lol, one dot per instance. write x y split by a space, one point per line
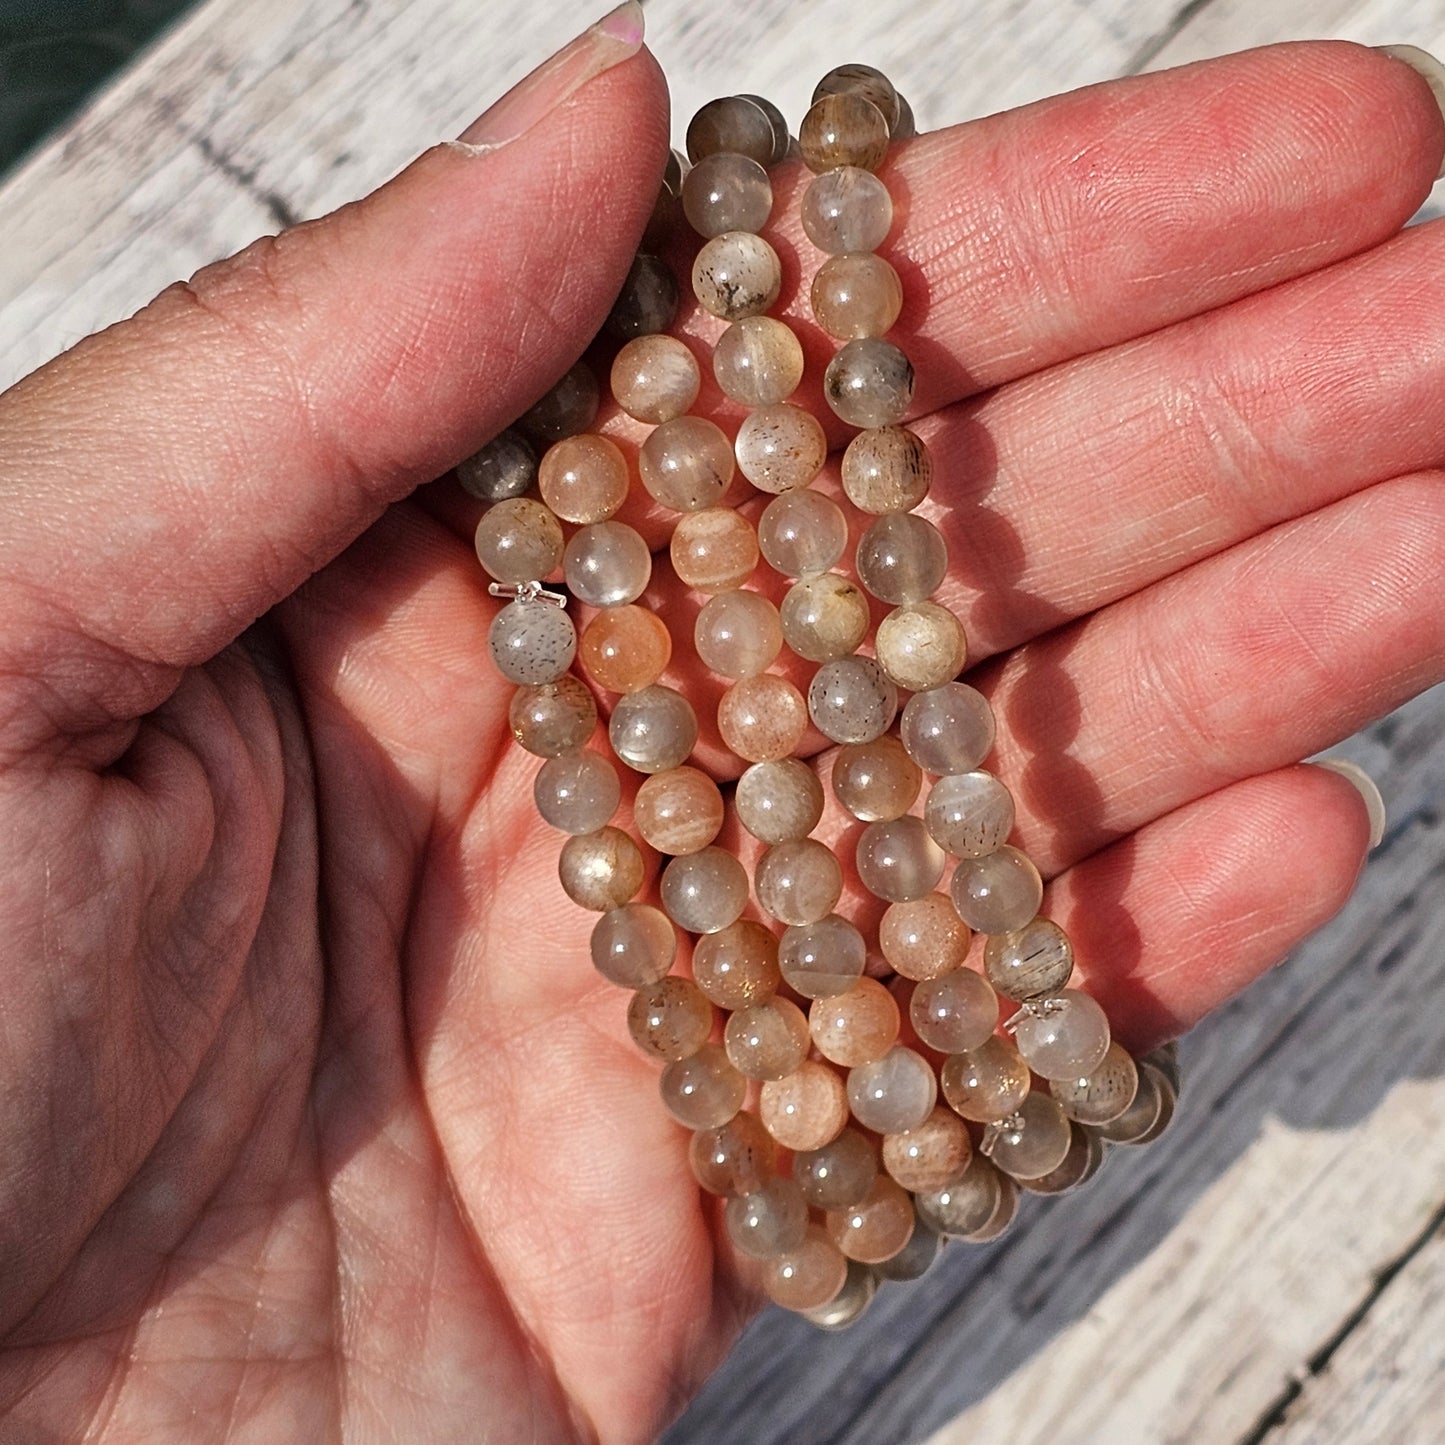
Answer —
987 1083
893 1093
839 1174
923 938
738 634
655 378
686 464
857 1026
583 478
780 448
762 718
714 550
856 294
802 533
779 800
624 649
799 882
876 781
955 1012
843 130
767 1040
600 870
825 617
758 361
805 1109
734 1158
737 966
809 1276
877 1227
678 811
703 1090
921 646
932 1156
669 1019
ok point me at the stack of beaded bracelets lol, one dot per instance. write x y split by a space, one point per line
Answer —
831 1224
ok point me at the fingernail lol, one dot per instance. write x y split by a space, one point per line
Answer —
613 39
1374 803
1423 64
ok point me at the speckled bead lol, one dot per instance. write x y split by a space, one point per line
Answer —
703 1090
997 893
845 129
731 123
886 469
901 558
583 478
726 192
824 617
780 448
655 379
762 718
839 1174
714 550
653 729
805 1109
948 729
856 1026
607 564
704 891
921 646
669 1019
532 642
625 649
577 792
869 383
856 294
738 634
758 361
969 814
778 800
736 274
851 700
987 1083
647 302
877 780
737 966
894 1093
923 938
799 882
802 533
554 718
931 1156
505 467
847 211
1030 962
772 1220
686 464
1102 1096
568 408
518 540
822 959
602 870
734 1158
678 811
862 80
634 945
767 1040
897 860
955 1012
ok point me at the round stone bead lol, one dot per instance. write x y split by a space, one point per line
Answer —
822 959
877 1227
686 464
655 379
758 361
702 1090
851 700
894 1093
876 781
987 1083
916 1257
583 478
778 800
762 718
845 129
669 1019
772 1220
1141 1119
869 383
1030 962
923 938
734 1158
737 274
782 141
738 633
678 811
1168 1095
647 302
886 469
841 1312
932 1156
1037 1143
731 123
726 192
767 1040
799 882
634 945
518 540
704 891
780 448
907 127
901 558
997 893
947 729
839 1174
607 564
714 550
961 1209
570 407
897 860
921 646
552 719
653 729
856 294
825 617
802 533
857 1026
862 80
808 1277
737 966
805 1109
532 642
847 211
1067 1042
625 649
955 1012
1100 1097
600 870
969 814
1003 1216
577 792
505 467
1080 1164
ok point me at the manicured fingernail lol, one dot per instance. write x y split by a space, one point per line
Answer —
1374 803
1423 64
613 39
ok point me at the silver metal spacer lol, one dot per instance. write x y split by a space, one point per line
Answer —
527 592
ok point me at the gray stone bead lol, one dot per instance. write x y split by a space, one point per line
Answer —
781 138
897 860
647 302
554 718
737 274
505 467
864 80
901 558
570 407
607 564
726 192
532 642
653 729
847 210
851 700
577 792
732 123
1030 962
948 729
970 814
869 383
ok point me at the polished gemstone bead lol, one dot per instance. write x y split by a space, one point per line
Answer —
1031 961
819 960
519 540
1080 1164
1003 1215
1139 1120
1165 1059
669 1019
851 700
1100 1097
844 1309
726 192
625 649
901 558
1067 1041
600 870
702 1090
907 127
877 1227
762 718
583 478
772 1220
568 408
869 383
967 1205
857 1026
653 730
916 1257
809 1276
647 302
844 129
948 729
931 1156
655 379
799 882
805 1109
738 965
923 938
886 469
825 617
921 646
552 719
782 141
532 642
987 1083
665 222
577 792
861 80
856 294
802 533
734 1158
1035 1141
970 814
758 361
955 1012
634 945
839 1174
736 274
767 1040
714 550
997 893
738 633
847 212
607 564
1168 1092
731 123
686 464
778 800
876 781
678 811
704 891
505 467
897 860
780 448
894 1093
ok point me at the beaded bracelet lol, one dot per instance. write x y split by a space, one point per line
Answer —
828 1227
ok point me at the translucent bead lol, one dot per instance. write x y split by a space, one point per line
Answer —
843 1311
921 646
737 274
669 1019
1168 1092
897 860
686 464
807 1277
855 294
877 1227
582 478
678 811
1138 1122
505 467
851 700
901 558
857 1026
1067 1042
731 123
1003 1216
825 617
726 192
607 564
702 1090
655 378
839 1174
1080 1164
998 892
886 469
738 634
758 361
737 966
948 729
802 533
862 80
625 649
847 210
634 945
600 870
767 1040
577 792
845 129
916 1257
782 141
772 1220
1036 1143
714 550
552 719
962 1208
780 448
923 938
734 1158
778 800
762 718
647 302
519 540
799 882
822 959
568 408
894 1093
876 781
805 1109
955 1012
969 814
704 891
532 642
1030 962
869 383
653 730
987 1083
932 1156
1100 1097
